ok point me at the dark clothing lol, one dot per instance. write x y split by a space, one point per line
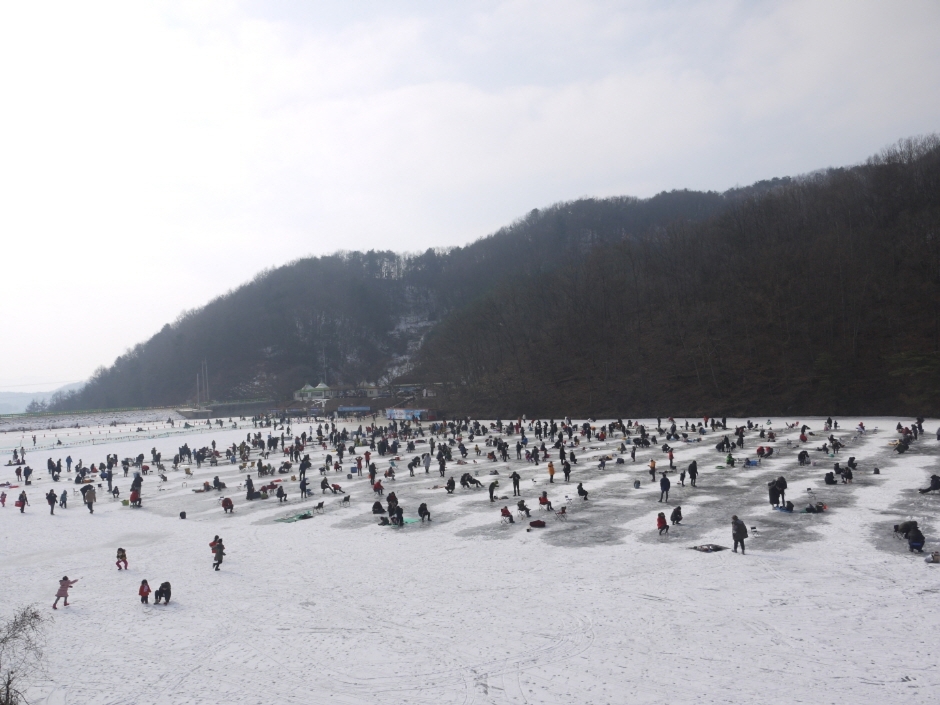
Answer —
162 593
774 495
664 486
219 551
738 533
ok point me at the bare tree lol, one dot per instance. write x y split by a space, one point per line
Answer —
21 653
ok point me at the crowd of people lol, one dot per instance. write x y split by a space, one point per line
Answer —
556 444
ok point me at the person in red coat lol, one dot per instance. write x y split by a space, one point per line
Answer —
144 592
661 524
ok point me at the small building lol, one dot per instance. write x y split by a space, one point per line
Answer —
369 391
308 393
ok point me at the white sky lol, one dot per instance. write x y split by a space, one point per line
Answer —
155 155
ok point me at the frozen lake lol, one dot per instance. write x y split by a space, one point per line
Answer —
600 608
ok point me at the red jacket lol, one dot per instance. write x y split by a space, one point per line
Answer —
660 521
144 590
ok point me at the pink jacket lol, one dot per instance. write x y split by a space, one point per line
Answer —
64 586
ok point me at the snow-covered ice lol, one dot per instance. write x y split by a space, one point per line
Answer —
824 608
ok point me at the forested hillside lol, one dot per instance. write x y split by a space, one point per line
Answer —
821 295
816 294
354 317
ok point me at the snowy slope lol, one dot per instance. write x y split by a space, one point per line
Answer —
599 609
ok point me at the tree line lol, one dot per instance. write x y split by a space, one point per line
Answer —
353 317
814 295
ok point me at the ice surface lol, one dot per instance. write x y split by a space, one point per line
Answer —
599 609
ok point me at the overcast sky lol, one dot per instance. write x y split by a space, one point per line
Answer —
153 156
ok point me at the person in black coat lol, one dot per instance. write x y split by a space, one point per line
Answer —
915 540
782 487
773 493
676 516
52 498
934 485
162 593
693 472
664 486
738 533
582 493
423 512
515 477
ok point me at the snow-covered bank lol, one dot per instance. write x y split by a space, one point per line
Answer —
56 425
595 609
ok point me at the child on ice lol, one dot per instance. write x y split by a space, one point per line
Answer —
144 592
121 558
63 591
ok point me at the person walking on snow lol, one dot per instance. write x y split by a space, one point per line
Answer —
121 558
23 501
51 498
63 591
693 472
664 486
218 551
90 499
551 472
738 533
